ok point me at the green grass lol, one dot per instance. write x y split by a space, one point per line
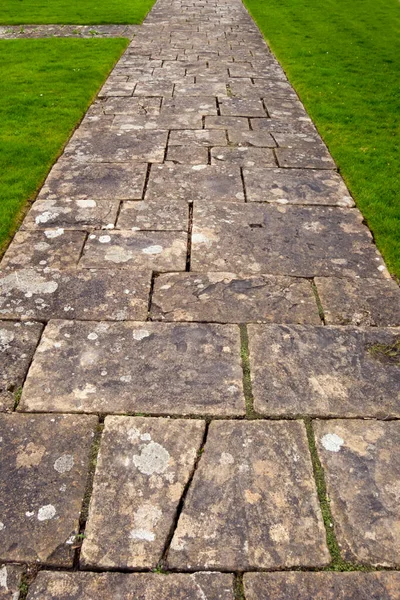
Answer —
343 58
73 12
45 88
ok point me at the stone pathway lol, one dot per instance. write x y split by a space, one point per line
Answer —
195 325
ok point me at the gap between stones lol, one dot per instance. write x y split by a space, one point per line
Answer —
18 391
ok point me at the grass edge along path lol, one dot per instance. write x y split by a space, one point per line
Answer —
343 59
46 87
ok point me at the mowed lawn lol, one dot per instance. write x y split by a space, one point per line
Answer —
343 58
75 12
45 88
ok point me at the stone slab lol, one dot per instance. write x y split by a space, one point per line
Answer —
316 157
200 105
71 214
228 298
10 581
154 250
361 460
327 371
296 186
106 181
285 108
154 216
200 89
122 146
322 586
257 139
252 503
197 137
44 463
55 248
243 156
287 125
142 469
50 585
184 120
366 302
146 107
197 183
156 368
187 155
241 107
229 123
77 294
18 343
282 240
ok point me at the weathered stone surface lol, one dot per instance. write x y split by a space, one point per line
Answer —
84 294
243 156
258 139
109 146
248 107
197 137
299 125
327 371
200 89
154 216
143 467
147 107
282 240
44 462
198 183
305 158
200 105
53 248
296 186
120 88
51 585
71 214
18 343
155 250
252 502
106 181
229 123
367 302
322 586
156 368
361 460
286 109
10 581
187 155
227 298
154 88
185 120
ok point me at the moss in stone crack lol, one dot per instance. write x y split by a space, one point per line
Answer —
17 397
238 589
386 353
247 388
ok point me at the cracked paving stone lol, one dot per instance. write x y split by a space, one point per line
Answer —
283 240
328 371
74 180
153 215
145 107
196 183
322 586
187 155
228 298
70 214
53 585
10 581
154 250
157 368
366 302
248 107
258 139
122 146
200 105
44 463
297 186
53 248
361 460
85 294
243 156
199 137
18 343
143 467
305 158
252 503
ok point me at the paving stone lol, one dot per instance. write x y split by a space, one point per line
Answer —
156 368
107 181
155 250
289 125
71 214
163 121
10 581
143 467
199 137
227 298
197 183
296 186
322 586
230 123
327 371
243 156
187 155
242 107
262 88
18 343
154 88
44 463
361 460
52 585
154 216
84 294
117 89
366 302
305 158
53 248
146 107
307 141
282 240
200 105
200 89
285 108
252 503
260 139
100 146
